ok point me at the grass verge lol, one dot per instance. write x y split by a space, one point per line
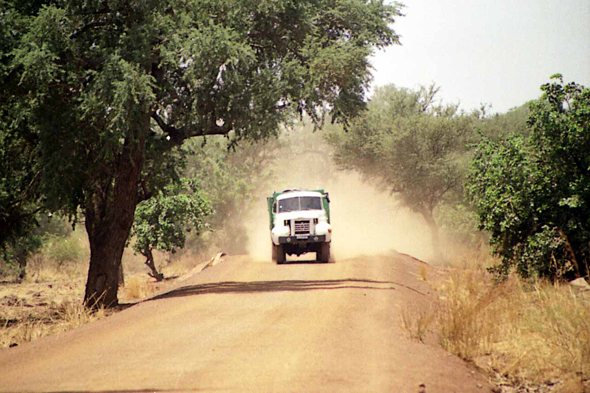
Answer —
523 333
20 328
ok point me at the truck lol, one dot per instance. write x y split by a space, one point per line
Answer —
300 223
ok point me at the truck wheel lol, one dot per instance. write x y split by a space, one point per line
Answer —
324 254
279 252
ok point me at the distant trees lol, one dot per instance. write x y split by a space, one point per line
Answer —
410 145
101 94
532 192
502 125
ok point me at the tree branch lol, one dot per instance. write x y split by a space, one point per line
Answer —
87 27
178 135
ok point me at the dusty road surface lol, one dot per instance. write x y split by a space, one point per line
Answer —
252 326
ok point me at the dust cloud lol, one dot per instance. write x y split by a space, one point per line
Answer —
365 220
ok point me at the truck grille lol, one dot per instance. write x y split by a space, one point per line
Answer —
302 227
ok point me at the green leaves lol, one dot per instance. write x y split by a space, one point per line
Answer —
97 75
162 221
132 93
533 193
42 46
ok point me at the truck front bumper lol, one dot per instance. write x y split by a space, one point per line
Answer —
302 239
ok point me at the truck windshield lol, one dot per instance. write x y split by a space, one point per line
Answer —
300 203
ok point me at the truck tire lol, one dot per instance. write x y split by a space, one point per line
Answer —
278 254
323 254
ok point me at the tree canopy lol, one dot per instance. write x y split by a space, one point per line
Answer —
533 193
104 92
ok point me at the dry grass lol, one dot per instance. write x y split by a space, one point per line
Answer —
535 332
423 272
551 337
467 315
461 256
41 269
139 285
139 288
49 300
21 324
418 323
523 334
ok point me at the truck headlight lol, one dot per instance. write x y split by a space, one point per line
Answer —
323 228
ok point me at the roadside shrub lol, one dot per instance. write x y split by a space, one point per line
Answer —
21 255
532 194
63 250
9 268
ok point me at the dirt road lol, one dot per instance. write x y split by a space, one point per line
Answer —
252 326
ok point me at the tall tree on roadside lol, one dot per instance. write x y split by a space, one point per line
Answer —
411 146
533 193
110 87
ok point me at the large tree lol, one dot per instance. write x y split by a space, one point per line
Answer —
411 145
107 88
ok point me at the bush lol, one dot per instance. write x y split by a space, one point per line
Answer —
64 251
9 268
18 253
533 194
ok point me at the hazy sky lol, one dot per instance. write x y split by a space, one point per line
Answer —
498 52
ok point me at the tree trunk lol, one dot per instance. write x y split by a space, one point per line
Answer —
121 276
435 236
109 216
22 265
151 264
106 251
